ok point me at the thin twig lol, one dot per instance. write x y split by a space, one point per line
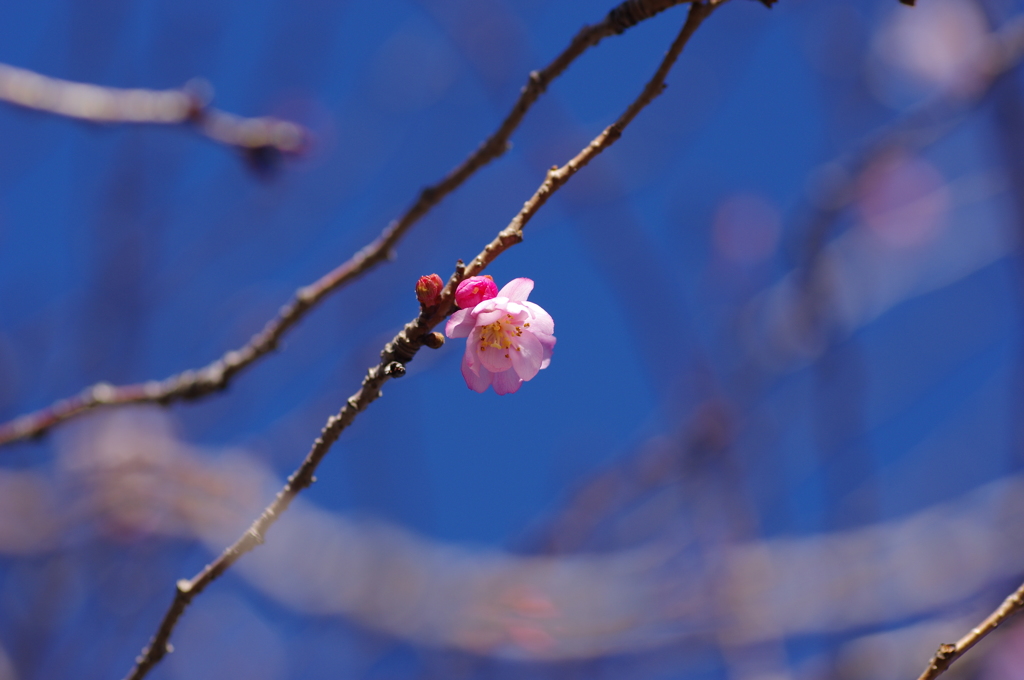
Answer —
186 106
1009 49
194 384
403 348
948 653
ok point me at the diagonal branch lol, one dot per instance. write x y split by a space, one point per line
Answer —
214 377
403 348
187 106
948 653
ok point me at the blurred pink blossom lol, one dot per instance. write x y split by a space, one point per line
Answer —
508 339
940 48
904 201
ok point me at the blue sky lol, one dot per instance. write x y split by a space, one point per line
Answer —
130 253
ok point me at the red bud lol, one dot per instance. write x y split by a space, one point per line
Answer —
428 288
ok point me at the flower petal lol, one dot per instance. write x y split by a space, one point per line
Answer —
541 321
489 317
506 382
517 290
494 359
517 313
470 356
477 377
459 324
527 360
548 343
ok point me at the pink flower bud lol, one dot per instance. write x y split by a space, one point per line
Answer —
428 288
475 290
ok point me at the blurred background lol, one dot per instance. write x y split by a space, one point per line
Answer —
781 435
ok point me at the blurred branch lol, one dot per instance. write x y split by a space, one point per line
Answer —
686 585
403 348
186 106
807 299
699 453
920 127
214 377
948 653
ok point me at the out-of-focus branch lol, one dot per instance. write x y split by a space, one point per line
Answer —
948 653
807 301
918 128
186 106
685 584
403 348
214 377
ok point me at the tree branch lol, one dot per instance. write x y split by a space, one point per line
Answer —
187 106
403 348
214 377
948 653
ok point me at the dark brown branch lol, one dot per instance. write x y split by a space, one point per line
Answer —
403 348
187 106
948 653
214 377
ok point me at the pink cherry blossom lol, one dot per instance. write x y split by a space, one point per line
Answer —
475 290
508 340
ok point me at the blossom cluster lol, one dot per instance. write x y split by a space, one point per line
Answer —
508 339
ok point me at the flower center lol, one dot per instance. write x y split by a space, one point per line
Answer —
500 334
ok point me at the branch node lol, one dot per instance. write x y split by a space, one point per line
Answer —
433 340
402 350
200 93
630 13
394 370
101 393
430 195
